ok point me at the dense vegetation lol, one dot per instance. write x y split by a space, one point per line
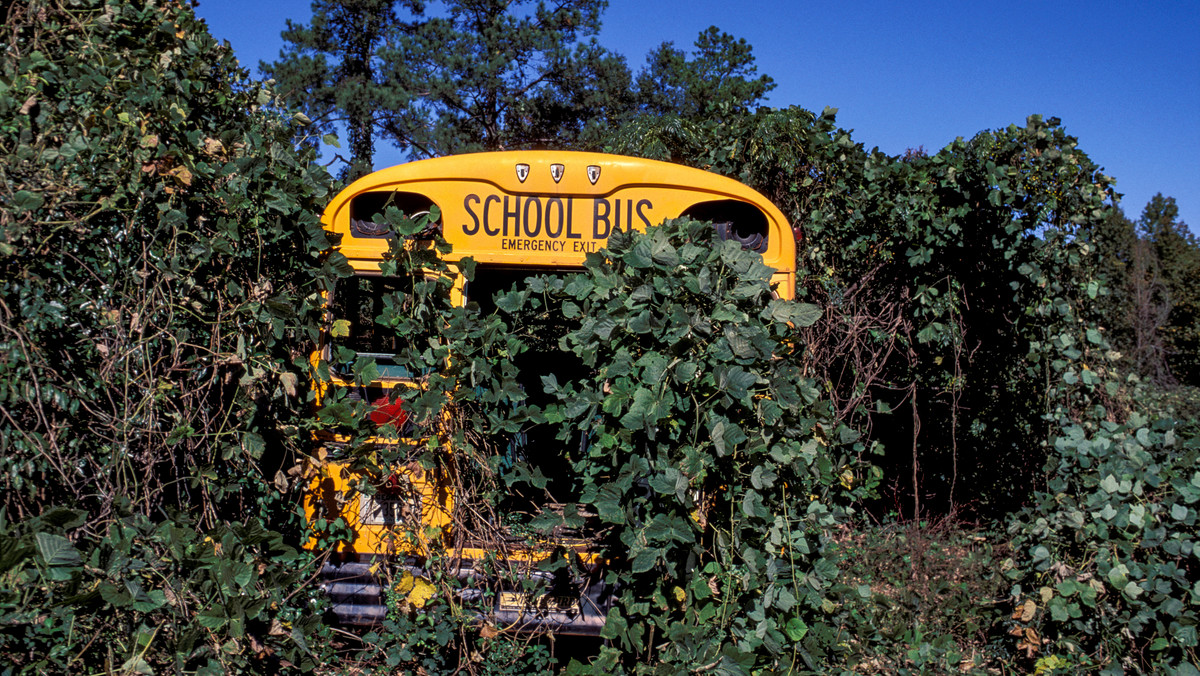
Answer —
980 337
156 287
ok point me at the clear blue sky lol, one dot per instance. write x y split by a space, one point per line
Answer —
1123 76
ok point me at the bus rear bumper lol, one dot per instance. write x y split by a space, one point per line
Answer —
528 603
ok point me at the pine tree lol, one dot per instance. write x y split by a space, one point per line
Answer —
495 74
330 68
1178 254
1152 311
719 80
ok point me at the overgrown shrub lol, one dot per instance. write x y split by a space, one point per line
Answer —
716 460
948 283
1105 577
152 596
158 234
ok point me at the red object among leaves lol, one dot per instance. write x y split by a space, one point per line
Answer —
388 412
395 485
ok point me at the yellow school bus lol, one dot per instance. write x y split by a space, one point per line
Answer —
515 213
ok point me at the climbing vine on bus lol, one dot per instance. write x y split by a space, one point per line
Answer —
712 470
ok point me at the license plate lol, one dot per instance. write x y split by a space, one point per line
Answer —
377 510
541 603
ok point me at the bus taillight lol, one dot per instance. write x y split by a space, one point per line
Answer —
386 412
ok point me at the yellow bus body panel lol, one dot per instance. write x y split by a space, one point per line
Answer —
412 525
491 215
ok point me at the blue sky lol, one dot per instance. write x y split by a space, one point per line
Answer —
1124 77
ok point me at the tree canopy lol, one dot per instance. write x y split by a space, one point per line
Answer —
456 76
719 80
330 68
1152 310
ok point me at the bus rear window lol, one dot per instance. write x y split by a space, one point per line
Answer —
358 303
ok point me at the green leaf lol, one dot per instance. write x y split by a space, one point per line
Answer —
752 505
796 628
640 411
23 200
137 665
365 370
118 597
1117 576
641 322
806 314
62 517
644 560
639 255
56 550
212 618
662 251
615 625
608 504
1143 437
927 334
1179 512
735 380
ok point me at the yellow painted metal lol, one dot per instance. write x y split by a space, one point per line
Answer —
489 214
417 519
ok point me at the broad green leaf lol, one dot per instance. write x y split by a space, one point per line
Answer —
365 370
805 314
137 665
1109 484
212 618
23 200
796 628
1117 576
608 504
56 550
615 626
662 251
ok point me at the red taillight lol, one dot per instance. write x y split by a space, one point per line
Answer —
388 412
395 485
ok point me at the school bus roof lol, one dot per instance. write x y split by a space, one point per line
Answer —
547 207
